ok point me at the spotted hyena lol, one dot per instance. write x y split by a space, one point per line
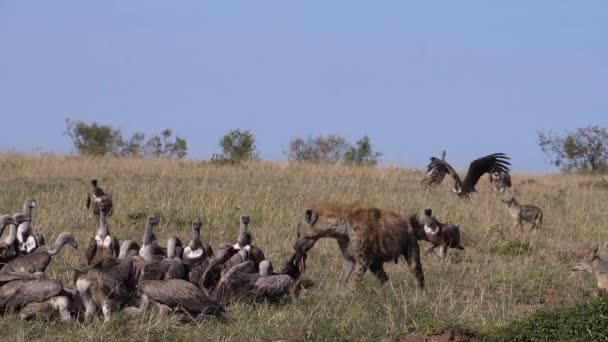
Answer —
367 236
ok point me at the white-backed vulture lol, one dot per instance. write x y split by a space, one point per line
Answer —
497 162
107 285
500 180
150 250
177 295
242 283
196 249
35 296
103 245
38 260
8 250
99 200
169 268
27 239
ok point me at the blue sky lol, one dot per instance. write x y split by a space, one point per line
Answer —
473 77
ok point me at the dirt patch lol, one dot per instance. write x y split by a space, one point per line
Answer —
448 336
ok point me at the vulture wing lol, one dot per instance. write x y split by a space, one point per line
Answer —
180 293
272 287
442 167
34 291
88 202
114 247
498 162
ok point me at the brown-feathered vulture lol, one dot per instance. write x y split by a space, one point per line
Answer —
435 176
497 162
33 296
99 200
38 260
103 245
242 283
196 249
150 250
27 239
177 295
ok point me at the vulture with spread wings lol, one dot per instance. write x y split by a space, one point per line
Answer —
497 162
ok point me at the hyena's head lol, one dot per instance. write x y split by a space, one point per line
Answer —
313 226
584 260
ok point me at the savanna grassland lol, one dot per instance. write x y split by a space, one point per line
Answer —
502 276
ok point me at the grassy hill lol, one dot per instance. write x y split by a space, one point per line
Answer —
503 275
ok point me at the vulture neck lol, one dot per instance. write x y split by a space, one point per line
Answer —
243 238
171 246
10 239
103 229
149 234
196 239
125 248
59 243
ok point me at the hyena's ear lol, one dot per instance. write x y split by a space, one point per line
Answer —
593 250
311 216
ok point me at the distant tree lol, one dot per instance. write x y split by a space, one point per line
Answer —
133 148
362 154
102 140
325 149
585 149
94 139
238 145
162 146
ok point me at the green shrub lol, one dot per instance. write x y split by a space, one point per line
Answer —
583 322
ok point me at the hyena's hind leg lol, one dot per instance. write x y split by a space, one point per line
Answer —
538 223
377 269
412 257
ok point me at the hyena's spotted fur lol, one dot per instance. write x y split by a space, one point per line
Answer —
367 237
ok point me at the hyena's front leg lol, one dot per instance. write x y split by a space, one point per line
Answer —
378 270
347 269
360 269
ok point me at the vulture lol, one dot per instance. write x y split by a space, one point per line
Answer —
241 282
245 239
38 260
6 245
497 162
177 295
27 241
34 296
103 245
108 284
196 250
99 200
435 176
169 268
229 256
150 250
500 180
9 247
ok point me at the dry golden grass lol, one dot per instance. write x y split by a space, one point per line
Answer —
502 275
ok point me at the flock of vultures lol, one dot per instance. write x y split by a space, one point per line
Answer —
194 280
133 277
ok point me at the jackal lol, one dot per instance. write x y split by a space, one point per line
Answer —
588 260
